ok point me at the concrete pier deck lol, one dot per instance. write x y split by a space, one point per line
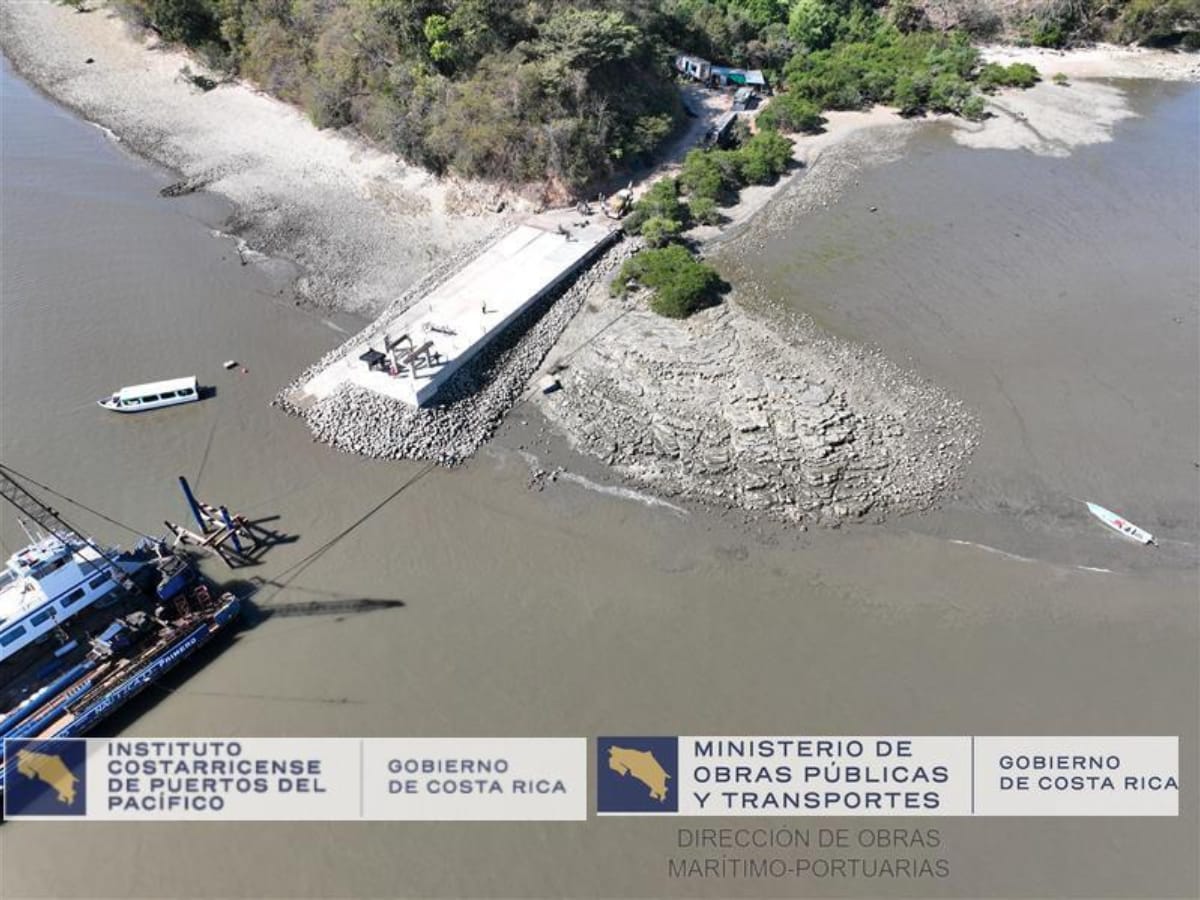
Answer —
467 311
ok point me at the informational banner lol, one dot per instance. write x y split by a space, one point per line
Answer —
297 779
888 776
546 779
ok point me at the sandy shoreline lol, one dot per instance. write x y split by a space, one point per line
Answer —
361 224
1101 61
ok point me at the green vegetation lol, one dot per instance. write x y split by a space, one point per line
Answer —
711 174
662 202
1161 22
507 90
762 159
563 92
791 112
659 231
1047 31
681 283
704 210
1056 23
750 33
814 23
710 177
993 76
916 71
908 16
1060 23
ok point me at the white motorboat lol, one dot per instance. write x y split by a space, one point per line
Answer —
155 395
1120 524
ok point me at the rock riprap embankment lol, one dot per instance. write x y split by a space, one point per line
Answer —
781 418
471 405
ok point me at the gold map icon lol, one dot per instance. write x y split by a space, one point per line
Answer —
50 770
642 765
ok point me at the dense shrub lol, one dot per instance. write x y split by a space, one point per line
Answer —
1047 34
708 173
862 73
659 231
908 16
993 76
948 93
791 112
763 158
567 91
190 21
704 211
661 201
974 108
979 18
916 72
681 283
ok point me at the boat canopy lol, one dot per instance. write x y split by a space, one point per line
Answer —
157 388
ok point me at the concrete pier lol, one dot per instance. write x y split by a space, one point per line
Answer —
423 346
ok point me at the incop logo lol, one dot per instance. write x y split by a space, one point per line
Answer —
637 774
45 777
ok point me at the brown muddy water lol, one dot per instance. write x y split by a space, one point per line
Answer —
1059 297
560 612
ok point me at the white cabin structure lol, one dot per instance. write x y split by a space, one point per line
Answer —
47 583
154 395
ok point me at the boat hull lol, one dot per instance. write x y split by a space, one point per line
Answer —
145 407
1120 524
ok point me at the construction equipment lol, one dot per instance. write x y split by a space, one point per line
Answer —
619 203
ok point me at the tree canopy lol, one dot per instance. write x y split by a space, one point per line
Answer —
569 91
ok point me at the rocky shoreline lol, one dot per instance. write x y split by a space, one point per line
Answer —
776 418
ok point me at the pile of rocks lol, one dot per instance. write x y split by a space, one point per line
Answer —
782 419
472 404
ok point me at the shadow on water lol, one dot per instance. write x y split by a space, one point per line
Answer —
336 605
252 616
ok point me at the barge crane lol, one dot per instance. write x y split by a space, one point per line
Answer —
125 643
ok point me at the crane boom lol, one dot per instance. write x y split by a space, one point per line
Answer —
50 520
30 506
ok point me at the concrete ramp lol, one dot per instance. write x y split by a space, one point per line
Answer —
432 339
